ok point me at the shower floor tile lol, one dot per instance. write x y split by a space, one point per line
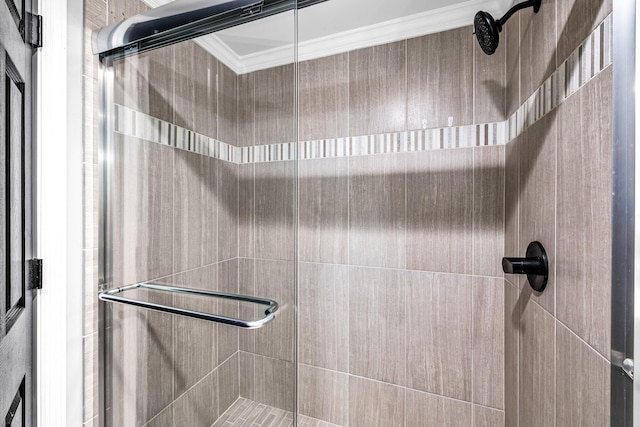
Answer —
247 413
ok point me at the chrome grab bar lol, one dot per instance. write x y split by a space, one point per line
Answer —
270 313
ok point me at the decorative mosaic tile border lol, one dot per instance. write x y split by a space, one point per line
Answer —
590 58
406 142
135 124
139 125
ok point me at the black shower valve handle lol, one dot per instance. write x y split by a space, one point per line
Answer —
523 265
535 266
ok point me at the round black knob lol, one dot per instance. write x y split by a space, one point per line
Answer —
535 266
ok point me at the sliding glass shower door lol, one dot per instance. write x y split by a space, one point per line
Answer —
198 191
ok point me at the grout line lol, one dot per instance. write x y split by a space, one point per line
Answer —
444 273
173 261
191 270
217 173
589 346
253 353
228 409
473 284
169 407
236 169
405 292
555 241
405 275
474 165
202 379
473 414
93 421
474 73
238 334
253 176
408 389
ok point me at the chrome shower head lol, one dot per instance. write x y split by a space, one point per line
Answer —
487 29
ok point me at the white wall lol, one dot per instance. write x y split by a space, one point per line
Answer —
59 215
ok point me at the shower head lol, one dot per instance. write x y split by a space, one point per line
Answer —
487 29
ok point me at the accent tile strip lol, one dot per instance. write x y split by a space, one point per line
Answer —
589 59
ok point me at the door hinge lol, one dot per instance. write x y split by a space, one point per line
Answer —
35 273
33 30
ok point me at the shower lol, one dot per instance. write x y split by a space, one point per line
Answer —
487 29
303 212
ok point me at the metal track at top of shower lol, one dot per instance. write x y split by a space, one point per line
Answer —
183 20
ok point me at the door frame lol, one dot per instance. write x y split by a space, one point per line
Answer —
624 233
635 46
59 217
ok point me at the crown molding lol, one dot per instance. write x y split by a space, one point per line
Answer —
156 3
506 5
222 52
433 21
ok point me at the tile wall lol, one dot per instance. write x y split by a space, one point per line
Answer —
404 316
369 267
266 235
400 291
175 221
558 191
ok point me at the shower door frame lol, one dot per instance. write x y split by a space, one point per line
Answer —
624 235
105 247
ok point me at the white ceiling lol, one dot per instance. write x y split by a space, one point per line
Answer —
321 20
338 26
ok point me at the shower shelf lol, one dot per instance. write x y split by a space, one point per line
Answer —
112 296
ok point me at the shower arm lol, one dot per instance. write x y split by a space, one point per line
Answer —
530 3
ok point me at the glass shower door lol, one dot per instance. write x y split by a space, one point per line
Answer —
198 167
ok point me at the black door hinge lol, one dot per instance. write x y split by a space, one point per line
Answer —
35 273
33 30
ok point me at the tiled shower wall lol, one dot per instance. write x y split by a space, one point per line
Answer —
266 243
175 221
384 239
400 291
558 191
398 278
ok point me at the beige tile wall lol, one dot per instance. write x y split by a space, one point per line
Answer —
400 290
558 191
175 221
431 61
